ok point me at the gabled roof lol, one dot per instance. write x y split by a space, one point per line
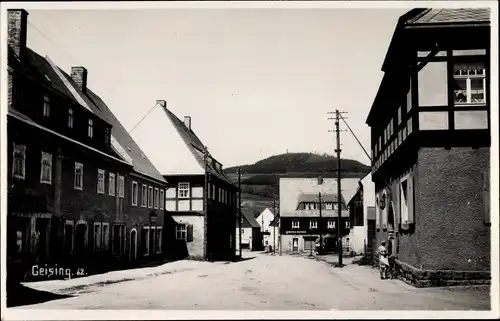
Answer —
450 16
247 215
121 141
196 147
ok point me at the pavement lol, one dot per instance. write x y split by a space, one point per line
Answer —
262 282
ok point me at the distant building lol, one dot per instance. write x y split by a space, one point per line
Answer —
251 237
264 219
201 199
299 210
362 216
430 139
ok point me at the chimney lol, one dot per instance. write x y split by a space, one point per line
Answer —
162 103
79 76
187 122
17 28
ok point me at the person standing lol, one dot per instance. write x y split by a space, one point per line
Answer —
383 260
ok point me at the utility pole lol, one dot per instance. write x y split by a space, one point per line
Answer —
320 225
339 187
239 208
274 226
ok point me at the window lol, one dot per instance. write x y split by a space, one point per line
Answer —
183 190
213 192
135 193
91 128
46 106
209 191
347 224
331 224
101 175
46 168
156 198
145 240
144 195
469 84
220 195
107 136
78 176
105 238
150 196
162 199
400 115
112 184
121 186
97 236
19 161
181 231
70 118
313 224
295 224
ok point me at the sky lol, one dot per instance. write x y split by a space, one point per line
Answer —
256 82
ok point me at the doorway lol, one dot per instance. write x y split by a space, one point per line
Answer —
80 238
295 245
42 241
68 239
133 245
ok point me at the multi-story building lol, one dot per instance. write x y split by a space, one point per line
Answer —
301 220
430 139
74 189
200 198
264 220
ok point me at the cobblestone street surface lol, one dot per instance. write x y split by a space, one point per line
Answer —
262 282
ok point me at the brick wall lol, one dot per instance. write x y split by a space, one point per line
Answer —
450 209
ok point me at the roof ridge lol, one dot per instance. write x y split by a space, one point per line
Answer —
418 16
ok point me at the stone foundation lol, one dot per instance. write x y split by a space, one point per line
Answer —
433 278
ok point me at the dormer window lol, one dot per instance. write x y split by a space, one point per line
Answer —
91 128
295 224
107 136
46 106
70 118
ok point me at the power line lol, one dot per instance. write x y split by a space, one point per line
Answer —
355 137
140 121
53 43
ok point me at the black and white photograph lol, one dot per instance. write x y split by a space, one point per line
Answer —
249 159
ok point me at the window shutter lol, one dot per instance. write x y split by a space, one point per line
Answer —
411 197
486 196
385 211
403 210
189 233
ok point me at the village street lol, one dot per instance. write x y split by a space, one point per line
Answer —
262 282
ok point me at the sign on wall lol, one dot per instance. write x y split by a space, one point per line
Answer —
296 232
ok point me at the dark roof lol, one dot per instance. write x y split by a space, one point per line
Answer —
313 198
248 218
134 155
451 16
196 147
275 221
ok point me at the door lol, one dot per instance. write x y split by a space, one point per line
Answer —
68 239
42 242
80 236
133 245
295 244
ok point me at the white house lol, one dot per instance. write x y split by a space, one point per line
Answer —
264 219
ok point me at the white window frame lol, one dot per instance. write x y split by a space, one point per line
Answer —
78 187
90 130
468 77
144 195
162 199
71 118
97 247
101 178
46 106
184 190
156 198
347 224
313 224
21 173
331 224
150 197
181 229
105 236
46 160
297 225
112 184
148 239
135 196
121 186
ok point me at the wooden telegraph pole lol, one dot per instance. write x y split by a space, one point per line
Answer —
239 209
339 189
